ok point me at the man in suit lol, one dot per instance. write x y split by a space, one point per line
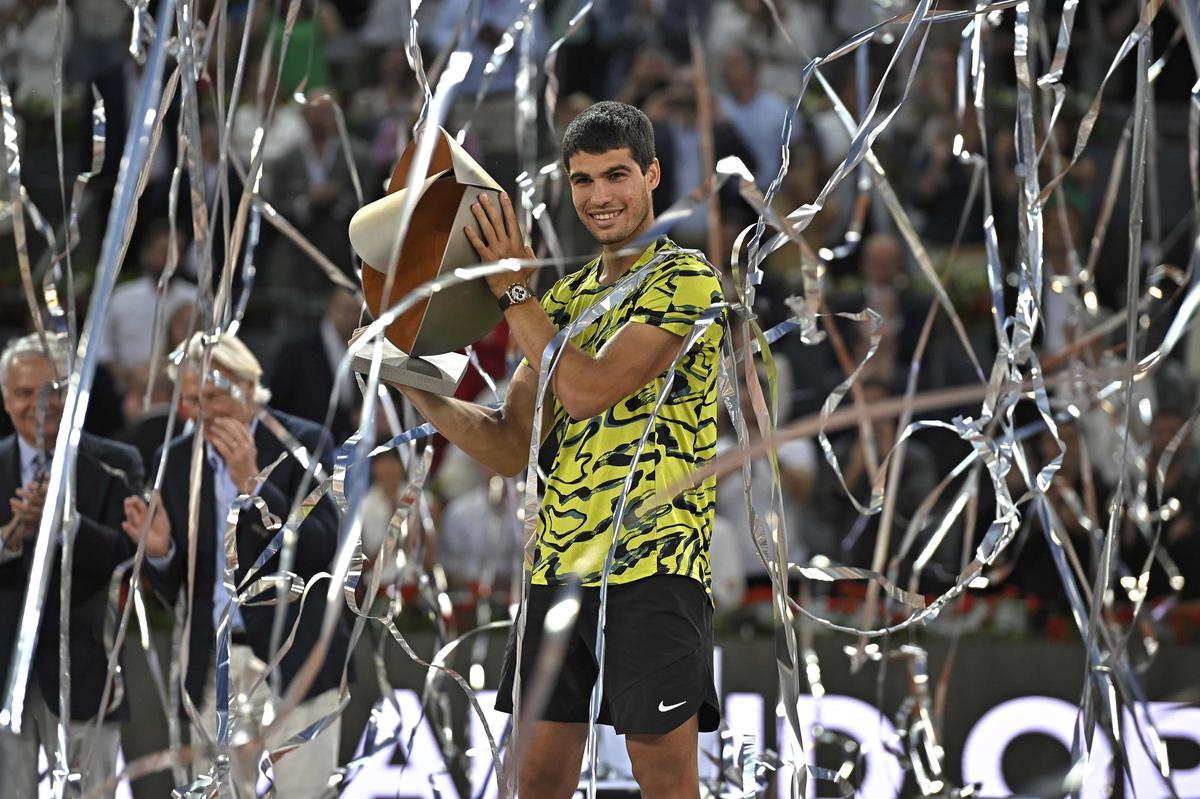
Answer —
305 392
106 473
312 186
228 408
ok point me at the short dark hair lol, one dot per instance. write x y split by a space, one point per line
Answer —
610 125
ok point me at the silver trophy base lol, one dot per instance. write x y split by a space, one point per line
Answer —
438 374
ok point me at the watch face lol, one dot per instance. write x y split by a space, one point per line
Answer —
518 293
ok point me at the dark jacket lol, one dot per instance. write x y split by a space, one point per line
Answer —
105 474
316 545
301 382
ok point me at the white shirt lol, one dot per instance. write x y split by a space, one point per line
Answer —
689 173
731 499
35 55
473 533
759 124
224 493
377 512
127 337
29 458
725 563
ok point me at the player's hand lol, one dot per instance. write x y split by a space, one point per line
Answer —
498 237
158 534
236 447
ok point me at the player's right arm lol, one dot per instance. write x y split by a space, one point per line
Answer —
496 437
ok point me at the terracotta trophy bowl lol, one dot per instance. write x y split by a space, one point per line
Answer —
424 338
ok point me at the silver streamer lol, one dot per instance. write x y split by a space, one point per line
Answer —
997 456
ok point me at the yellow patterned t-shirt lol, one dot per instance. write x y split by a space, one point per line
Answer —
586 462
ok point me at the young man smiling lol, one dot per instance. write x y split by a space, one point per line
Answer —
658 683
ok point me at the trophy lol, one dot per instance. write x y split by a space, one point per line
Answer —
420 344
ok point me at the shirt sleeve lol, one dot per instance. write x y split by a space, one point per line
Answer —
163 562
798 453
674 298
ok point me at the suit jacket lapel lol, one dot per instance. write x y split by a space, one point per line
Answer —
269 447
207 526
10 474
179 471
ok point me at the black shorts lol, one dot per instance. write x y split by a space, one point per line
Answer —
658 669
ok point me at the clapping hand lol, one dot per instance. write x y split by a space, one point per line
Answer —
26 508
158 541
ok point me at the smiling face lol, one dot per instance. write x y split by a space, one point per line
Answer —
28 379
612 195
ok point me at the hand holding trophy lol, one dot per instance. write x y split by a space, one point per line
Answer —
420 345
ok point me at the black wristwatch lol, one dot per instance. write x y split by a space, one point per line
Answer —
514 295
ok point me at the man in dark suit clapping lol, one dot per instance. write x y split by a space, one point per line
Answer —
33 378
238 440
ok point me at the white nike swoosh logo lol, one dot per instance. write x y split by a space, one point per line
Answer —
664 708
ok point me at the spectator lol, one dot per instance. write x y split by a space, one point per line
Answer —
886 288
757 116
943 180
750 23
383 113
798 474
210 163
650 71
148 430
105 473
631 29
386 24
480 540
312 186
379 505
851 535
305 64
237 446
34 76
493 128
302 380
126 340
287 129
389 95
807 171
675 115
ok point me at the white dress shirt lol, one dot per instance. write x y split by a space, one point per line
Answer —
224 494
127 336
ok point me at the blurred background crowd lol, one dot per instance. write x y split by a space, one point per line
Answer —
347 98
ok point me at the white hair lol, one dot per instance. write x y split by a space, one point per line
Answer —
56 347
230 356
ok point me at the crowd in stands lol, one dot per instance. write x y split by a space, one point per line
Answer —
716 79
